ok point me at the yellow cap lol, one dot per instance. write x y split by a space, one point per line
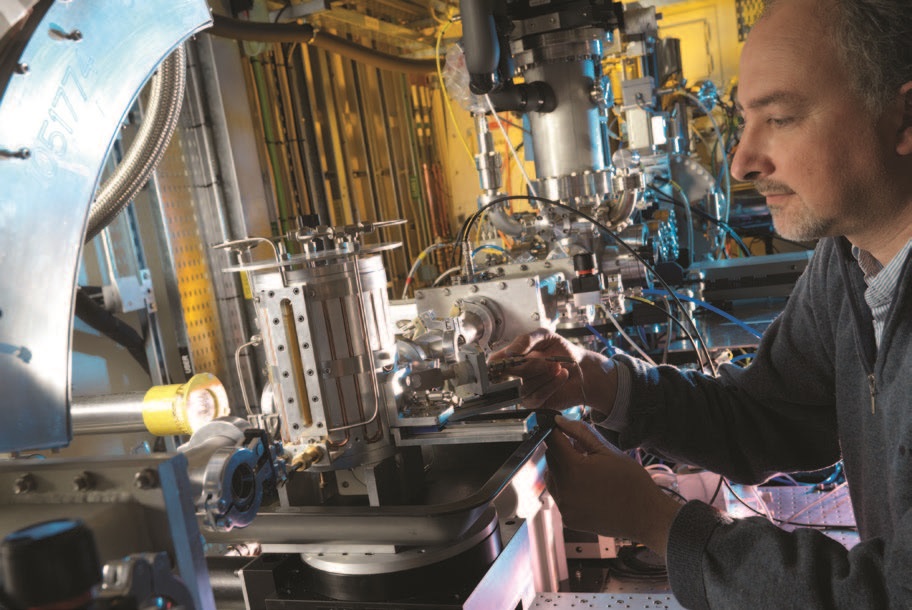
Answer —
184 408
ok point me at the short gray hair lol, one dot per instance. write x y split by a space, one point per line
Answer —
874 41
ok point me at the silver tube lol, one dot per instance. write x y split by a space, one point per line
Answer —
108 414
147 150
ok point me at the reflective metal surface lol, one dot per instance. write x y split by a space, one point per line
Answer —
57 121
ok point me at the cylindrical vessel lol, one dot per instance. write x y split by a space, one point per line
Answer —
569 140
328 337
162 410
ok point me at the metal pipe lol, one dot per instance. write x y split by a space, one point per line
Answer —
149 146
237 29
307 140
163 410
108 414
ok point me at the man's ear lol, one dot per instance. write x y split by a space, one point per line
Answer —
904 137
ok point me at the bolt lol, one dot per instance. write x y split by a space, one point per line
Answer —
305 345
58 34
146 478
446 292
281 348
503 285
310 372
275 321
84 481
531 281
535 316
474 288
296 291
316 399
24 484
524 267
419 295
22 153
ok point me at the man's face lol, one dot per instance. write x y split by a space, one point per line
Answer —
808 144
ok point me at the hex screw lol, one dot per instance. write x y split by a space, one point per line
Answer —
146 478
57 33
22 153
84 481
25 484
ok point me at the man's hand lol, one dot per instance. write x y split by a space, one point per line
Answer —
599 489
557 374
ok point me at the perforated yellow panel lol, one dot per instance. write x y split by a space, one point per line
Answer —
187 249
748 12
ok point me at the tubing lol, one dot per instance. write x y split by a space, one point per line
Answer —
705 305
237 29
162 410
147 150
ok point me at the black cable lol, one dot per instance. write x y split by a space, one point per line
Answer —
706 216
718 489
282 10
677 322
672 492
96 316
783 521
467 225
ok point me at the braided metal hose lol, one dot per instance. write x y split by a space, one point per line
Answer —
132 173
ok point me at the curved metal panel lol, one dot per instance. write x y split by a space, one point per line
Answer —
85 63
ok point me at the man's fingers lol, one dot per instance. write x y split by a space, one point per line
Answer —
537 390
521 345
586 438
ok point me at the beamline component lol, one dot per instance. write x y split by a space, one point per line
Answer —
87 61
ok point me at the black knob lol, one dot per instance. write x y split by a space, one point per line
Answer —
585 261
54 562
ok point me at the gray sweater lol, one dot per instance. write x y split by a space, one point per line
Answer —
819 389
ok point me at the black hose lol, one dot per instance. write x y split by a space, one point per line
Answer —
238 29
111 327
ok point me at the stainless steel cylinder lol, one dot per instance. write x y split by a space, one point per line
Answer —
327 336
570 139
107 414
162 410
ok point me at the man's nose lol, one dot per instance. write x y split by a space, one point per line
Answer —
751 160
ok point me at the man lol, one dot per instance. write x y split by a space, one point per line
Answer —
826 96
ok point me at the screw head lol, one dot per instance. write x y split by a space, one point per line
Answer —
24 484
84 481
147 478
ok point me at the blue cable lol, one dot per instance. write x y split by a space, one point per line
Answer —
600 337
488 247
743 357
705 305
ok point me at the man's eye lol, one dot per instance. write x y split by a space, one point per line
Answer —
779 121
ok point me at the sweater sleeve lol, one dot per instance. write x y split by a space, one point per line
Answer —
718 562
776 415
